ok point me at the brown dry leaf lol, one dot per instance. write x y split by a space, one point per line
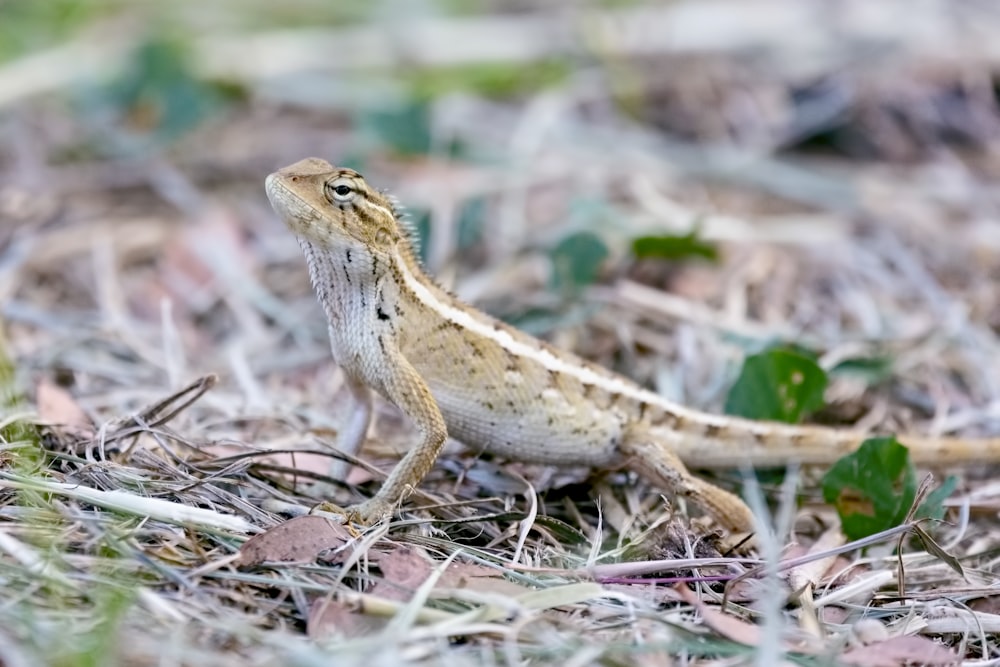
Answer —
57 406
404 568
329 617
304 461
832 615
479 578
298 540
728 626
900 651
187 265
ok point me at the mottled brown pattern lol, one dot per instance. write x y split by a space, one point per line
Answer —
454 370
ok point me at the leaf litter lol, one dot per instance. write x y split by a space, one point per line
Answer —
192 508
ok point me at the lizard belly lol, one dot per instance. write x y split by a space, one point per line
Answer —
547 428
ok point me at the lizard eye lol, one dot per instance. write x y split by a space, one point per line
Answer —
339 191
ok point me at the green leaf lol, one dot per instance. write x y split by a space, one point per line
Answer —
497 80
28 26
158 94
405 128
471 218
562 531
577 261
872 488
674 247
872 370
777 385
933 505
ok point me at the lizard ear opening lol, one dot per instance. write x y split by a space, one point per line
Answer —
383 237
340 191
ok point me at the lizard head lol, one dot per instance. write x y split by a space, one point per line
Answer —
333 207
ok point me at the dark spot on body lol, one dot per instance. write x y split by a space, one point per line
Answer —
664 419
446 324
512 362
381 314
348 256
381 344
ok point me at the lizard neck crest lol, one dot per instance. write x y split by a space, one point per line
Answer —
409 235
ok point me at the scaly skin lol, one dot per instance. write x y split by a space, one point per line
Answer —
456 371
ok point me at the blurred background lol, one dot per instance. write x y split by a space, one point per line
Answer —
659 185
663 187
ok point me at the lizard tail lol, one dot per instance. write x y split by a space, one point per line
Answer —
702 440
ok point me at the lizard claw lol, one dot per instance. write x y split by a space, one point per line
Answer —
367 513
370 511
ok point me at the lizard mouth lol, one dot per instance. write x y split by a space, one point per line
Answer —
276 193
286 202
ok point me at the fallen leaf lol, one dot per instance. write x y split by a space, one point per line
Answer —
298 540
404 568
479 578
329 617
901 651
728 626
57 406
203 255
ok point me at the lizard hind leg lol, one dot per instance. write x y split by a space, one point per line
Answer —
653 460
352 434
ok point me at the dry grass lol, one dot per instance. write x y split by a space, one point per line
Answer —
128 495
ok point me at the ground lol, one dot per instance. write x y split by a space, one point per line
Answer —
823 180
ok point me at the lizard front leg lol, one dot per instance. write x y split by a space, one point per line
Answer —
653 459
405 388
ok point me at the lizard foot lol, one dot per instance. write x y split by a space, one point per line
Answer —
367 513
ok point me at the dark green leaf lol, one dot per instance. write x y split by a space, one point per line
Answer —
777 385
562 531
405 128
470 222
577 260
872 488
674 247
158 95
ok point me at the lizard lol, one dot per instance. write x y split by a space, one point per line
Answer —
455 371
